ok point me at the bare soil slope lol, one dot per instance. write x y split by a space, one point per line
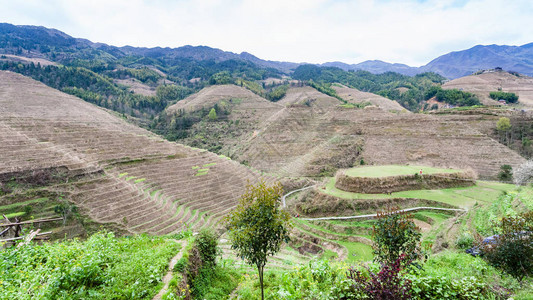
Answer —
485 83
310 141
119 173
212 95
308 96
356 96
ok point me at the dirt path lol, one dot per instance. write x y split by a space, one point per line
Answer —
374 215
168 276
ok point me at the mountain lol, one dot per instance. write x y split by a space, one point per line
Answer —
38 41
375 67
462 63
458 63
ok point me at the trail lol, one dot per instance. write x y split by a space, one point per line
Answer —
168 276
370 215
291 192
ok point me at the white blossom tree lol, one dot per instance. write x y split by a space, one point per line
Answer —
524 173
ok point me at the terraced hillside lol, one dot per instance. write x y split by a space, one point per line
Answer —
310 140
485 83
357 96
245 101
308 96
115 172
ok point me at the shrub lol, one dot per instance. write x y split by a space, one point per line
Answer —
465 240
394 234
387 284
506 173
512 250
207 244
509 97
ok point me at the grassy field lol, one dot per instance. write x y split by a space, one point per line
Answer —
394 170
464 197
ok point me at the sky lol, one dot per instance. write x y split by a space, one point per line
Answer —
315 31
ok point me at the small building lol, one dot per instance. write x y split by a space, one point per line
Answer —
502 102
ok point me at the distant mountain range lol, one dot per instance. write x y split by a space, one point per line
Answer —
55 45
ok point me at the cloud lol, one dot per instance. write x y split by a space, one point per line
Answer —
406 31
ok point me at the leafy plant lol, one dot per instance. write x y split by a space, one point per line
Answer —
257 227
207 244
506 173
387 284
394 233
512 250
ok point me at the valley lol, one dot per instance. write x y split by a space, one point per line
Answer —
144 153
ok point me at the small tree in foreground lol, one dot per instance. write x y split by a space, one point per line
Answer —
257 227
395 234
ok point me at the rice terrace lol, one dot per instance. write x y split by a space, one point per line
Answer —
195 173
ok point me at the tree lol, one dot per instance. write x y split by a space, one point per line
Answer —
508 97
395 234
503 126
524 173
506 173
212 114
257 227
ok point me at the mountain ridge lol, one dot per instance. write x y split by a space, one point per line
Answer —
41 41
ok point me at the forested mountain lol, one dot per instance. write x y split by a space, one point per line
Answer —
58 46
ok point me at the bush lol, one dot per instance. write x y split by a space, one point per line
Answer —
465 240
394 234
508 97
102 267
387 284
512 250
506 173
207 244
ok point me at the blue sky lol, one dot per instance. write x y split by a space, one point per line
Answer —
316 31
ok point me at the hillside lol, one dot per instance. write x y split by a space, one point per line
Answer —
309 141
356 96
113 171
484 83
308 96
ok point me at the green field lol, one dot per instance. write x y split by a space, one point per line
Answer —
394 170
465 197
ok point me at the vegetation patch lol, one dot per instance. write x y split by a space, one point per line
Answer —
102 267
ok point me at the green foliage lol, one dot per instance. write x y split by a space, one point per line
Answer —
277 93
453 97
223 77
103 267
394 234
252 86
257 227
91 87
513 248
465 240
508 97
506 173
171 92
320 279
326 89
212 114
207 244
503 124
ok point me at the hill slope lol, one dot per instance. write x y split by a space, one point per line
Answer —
115 172
485 83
